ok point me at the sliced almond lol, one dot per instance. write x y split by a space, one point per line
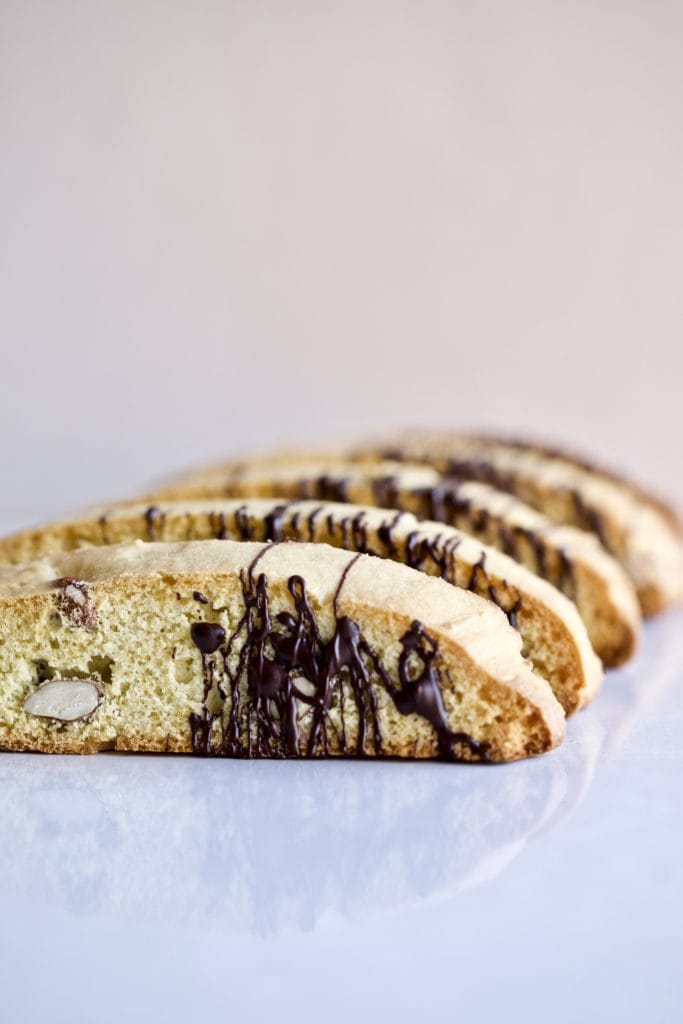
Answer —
64 700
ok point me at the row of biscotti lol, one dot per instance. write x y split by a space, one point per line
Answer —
638 530
553 635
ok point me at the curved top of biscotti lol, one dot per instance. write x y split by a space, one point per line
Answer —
452 616
395 587
221 480
290 478
646 539
445 442
579 546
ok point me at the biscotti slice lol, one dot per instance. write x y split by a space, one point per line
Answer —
554 636
580 461
571 559
261 650
638 529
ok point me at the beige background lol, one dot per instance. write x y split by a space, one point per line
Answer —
228 224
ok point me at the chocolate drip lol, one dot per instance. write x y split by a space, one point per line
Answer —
386 534
274 664
359 533
154 521
329 488
104 523
311 521
353 534
385 490
420 692
581 462
218 525
478 567
420 550
513 612
243 523
588 518
274 522
446 503
480 583
207 637
483 471
565 581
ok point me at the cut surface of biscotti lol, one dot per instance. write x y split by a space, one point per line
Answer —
573 560
554 636
262 650
640 530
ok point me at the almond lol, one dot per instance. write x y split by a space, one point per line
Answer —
64 700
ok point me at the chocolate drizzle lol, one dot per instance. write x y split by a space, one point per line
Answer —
274 522
420 692
277 672
446 503
311 521
386 535
484 470
243 523
154 521
588 518
353 533
327 487
420 550
583 515
386 491
207 638
104 523
218 525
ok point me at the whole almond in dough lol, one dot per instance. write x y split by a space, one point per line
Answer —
64 700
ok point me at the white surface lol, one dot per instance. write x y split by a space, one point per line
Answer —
160 888
226 224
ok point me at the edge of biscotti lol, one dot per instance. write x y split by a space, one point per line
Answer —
455 617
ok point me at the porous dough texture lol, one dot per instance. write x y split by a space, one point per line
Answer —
554 636
571 559
146 602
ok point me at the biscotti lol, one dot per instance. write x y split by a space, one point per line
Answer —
571 559
553 634
640 530
244 649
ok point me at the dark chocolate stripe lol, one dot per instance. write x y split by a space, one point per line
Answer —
265 659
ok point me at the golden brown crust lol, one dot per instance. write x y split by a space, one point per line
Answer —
554 636
148 596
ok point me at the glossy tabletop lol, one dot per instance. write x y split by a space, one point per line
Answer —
180 889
